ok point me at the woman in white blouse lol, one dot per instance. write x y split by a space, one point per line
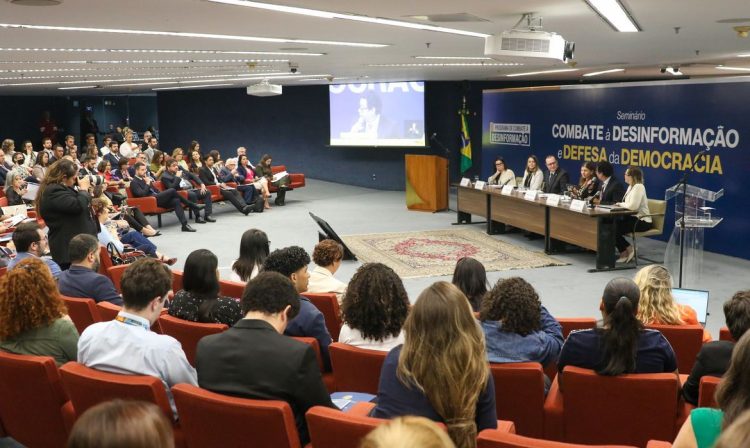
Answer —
327 256
374 309
532 176
635 199
503 176
128 149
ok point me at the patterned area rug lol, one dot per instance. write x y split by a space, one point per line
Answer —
435 252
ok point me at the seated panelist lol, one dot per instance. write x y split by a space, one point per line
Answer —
503 175
556 179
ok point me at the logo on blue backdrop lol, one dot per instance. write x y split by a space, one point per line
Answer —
510 134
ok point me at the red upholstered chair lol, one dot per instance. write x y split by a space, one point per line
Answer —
107 310
210 419
147 205
626 409
115 274
231 289
725 335
331 428
327 376
356 369
176 280
329 306
105 261
707 392
83 312
569 324
188 333
493 438
686 340
296 180
519 396
34 408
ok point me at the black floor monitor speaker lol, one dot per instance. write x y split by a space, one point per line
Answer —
328 233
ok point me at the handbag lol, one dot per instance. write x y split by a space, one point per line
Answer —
119 258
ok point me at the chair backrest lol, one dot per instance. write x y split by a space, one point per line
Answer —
82 311
176 280
33 403
232 289
88 387
211 419
725 335
105 261
657 207
107 310
493 438
115 274
519 396
329 306
331 428
686 341
356 369
707 392
628 409
188 333
569 324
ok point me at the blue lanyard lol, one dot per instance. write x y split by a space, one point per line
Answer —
129 321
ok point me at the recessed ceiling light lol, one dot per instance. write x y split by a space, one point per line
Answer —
603 72
544 72
77 87
457 58
615 14
128 50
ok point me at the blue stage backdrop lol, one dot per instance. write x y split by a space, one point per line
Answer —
659 126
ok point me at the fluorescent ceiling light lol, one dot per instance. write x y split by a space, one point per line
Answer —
186 34
193 87
77 87
744 55
196 79
148 61
143 84
451 64
560 70
614 70
124 50
457 58
736 69
615 15
358 18
674 71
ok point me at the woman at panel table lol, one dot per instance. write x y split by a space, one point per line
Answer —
589 183
532 176
635 199
503 176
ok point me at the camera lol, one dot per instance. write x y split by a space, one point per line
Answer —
93 179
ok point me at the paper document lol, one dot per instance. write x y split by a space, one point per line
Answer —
279 175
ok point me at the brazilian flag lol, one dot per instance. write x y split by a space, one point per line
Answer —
465 144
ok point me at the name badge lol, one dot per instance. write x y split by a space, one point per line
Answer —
507 190
479 185
530 195
465 181
577 205
553 199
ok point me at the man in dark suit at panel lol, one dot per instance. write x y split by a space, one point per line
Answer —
179 179
209 175
611 190
141 186
556 179
81 279
254 359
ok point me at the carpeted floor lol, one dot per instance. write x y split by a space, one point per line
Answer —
435 252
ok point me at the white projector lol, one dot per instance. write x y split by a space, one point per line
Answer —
528 46
264 88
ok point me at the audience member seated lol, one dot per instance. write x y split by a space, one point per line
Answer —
471 278
733 396
157 165
178 154
254 249
589 183
503 175
177 179
132 215
253 359
610 189
141 186
31 242
33 317
122 424
104 169
292 262
374 309
517 328
635 199
15 188
229 173
82 278
657 306
736 434
408 432
194 160
19 165
199 300
327 257
114 156
128 149
264 169
532 175
247 173
209 175
126 345
39 170
714 357
622 345
441 371
123 172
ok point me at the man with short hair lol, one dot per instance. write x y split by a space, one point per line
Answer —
31 241
714 357
241 151
88 167
47 145
229 174
90 140
253 359
113 156
210 176
127 345
179 179
82 278
556 179
70 141
152 143
57 154
611 190
291 262
104 150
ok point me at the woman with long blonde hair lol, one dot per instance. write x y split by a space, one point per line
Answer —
657 305
441 370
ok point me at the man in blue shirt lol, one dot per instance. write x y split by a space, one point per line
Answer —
292 262
31 241
81 279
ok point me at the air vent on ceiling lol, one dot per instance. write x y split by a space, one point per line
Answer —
445 18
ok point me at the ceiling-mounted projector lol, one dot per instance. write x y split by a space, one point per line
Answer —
264 88
529 46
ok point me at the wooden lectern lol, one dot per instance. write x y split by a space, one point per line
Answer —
426 183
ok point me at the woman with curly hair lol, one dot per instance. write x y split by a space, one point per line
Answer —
516 325
327 256
374 309
33 317
441 371
657 306
471 278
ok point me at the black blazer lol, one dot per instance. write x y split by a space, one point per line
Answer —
712 360
204 173
112 159
13 197
557 183
169 180
252 360
67 214
614 192
141 189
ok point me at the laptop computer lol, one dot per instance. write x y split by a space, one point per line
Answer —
696 299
